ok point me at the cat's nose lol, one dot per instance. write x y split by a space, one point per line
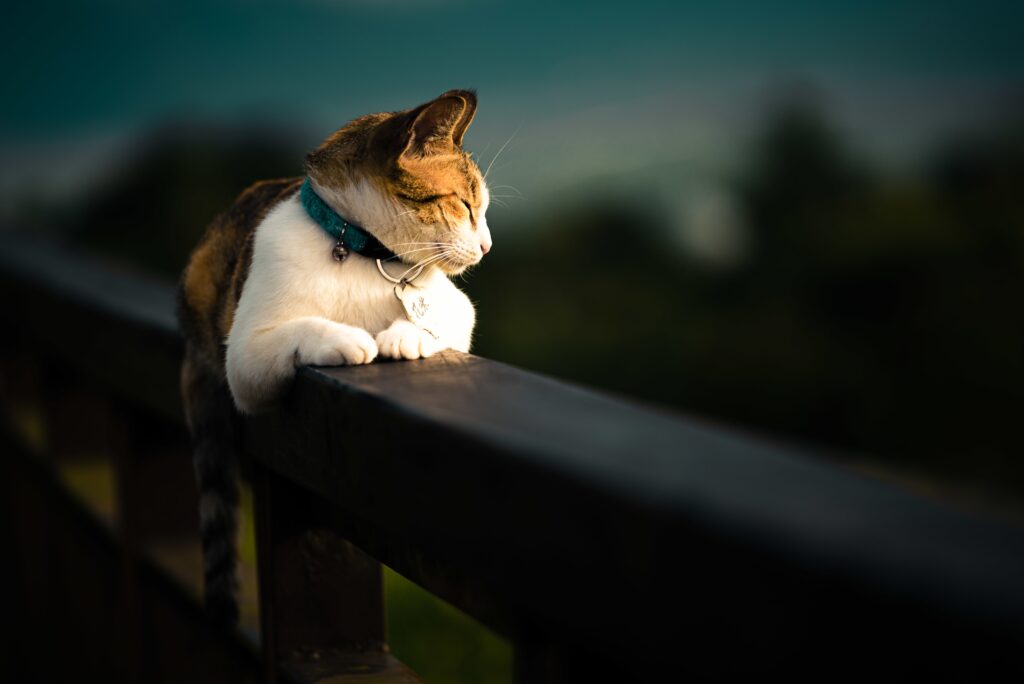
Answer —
485 237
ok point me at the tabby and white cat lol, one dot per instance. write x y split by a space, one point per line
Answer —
349 263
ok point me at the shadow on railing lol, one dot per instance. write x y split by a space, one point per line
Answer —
606 540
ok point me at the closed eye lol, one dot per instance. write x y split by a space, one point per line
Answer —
469 209
424 200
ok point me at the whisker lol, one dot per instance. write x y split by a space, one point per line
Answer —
411 251
498 154
420 265
426 246
401 244
507 187
427 260
448 261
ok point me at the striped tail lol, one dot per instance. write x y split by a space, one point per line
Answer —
211 417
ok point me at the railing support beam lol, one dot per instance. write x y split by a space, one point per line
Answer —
321 598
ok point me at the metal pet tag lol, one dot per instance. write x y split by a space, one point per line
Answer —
418 307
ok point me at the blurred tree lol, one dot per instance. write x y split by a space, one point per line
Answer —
871 314
153 210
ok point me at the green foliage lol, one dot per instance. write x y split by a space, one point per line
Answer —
870 314
153 210
440 643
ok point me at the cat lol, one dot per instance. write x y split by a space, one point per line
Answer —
349 263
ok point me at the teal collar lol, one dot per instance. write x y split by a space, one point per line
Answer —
350 237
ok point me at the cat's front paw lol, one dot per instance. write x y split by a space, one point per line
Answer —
339 345
405 340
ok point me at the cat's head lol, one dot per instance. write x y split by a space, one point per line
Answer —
404 177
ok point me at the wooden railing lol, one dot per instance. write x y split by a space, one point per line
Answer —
608 541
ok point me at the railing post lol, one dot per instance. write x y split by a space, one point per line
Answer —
156 490
321 598
156 499
153 491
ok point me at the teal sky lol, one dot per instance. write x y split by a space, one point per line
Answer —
589 84
81 65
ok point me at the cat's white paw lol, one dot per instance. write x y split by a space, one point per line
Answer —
339 345
405 340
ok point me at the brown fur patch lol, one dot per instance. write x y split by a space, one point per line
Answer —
213 280
415 155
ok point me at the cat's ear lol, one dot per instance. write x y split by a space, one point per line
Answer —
439 126
469 96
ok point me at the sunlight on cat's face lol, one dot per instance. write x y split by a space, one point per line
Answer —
405 178
445 205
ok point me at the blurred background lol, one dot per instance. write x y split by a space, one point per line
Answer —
805 220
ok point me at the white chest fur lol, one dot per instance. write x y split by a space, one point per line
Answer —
299 305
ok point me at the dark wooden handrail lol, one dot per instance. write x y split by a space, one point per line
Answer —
600 535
